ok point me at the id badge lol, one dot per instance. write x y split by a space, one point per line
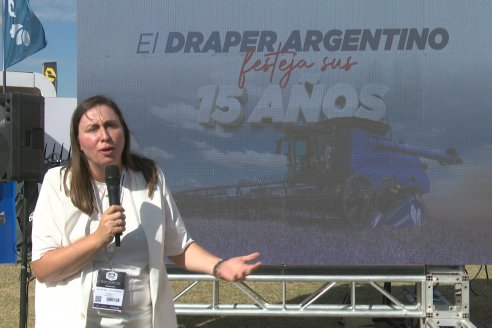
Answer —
109 291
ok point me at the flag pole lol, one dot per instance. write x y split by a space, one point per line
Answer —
3 49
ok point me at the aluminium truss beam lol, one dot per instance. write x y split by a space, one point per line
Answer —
420 307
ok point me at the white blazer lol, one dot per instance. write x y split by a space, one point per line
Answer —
58 223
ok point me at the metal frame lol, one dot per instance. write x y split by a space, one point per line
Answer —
455 313
423 307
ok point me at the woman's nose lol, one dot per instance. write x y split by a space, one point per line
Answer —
105 134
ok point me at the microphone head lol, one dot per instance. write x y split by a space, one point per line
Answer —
112 174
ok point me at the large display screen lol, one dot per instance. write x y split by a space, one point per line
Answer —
317 132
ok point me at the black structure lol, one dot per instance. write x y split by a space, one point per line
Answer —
21 136
22 160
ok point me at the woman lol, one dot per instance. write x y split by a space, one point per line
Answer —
83 280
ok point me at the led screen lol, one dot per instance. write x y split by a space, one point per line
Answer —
317 132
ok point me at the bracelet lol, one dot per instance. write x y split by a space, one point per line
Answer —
215 270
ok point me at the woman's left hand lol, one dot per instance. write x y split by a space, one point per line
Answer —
237 268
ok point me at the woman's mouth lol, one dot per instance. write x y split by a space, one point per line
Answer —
106 151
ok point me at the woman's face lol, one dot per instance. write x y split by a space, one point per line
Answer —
101 139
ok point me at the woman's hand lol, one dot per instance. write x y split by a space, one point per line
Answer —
237 268
195 258
111 222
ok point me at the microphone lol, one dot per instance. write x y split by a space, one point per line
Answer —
113 184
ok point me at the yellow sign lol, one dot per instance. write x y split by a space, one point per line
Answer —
50 74
49 71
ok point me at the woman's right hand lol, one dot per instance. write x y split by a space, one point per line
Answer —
111 222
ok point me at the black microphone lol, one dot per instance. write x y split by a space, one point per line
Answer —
113 185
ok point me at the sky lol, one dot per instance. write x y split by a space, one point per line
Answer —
59 19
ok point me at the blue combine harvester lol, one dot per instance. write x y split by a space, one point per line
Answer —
342 167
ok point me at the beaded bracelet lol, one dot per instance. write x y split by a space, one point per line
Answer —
215 270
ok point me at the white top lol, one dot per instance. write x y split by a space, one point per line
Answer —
131 257
57 223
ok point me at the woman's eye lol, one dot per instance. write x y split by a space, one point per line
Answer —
112 125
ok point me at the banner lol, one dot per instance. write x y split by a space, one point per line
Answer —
23 32
317 132
8 223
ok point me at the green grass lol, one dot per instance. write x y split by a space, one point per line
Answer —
480 307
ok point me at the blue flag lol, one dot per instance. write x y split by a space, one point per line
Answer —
23 32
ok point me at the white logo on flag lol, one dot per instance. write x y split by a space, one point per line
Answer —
17 31
11 8
21 36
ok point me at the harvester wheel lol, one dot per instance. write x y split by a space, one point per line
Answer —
359 202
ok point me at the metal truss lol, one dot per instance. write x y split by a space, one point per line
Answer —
441 312
421 306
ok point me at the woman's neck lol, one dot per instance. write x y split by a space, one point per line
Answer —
99 173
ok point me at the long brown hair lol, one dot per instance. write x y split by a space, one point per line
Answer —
81 192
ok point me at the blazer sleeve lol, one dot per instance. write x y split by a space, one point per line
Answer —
176 237
46 232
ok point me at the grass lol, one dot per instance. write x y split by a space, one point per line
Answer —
480 304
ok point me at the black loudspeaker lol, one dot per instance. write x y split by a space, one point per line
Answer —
21 137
